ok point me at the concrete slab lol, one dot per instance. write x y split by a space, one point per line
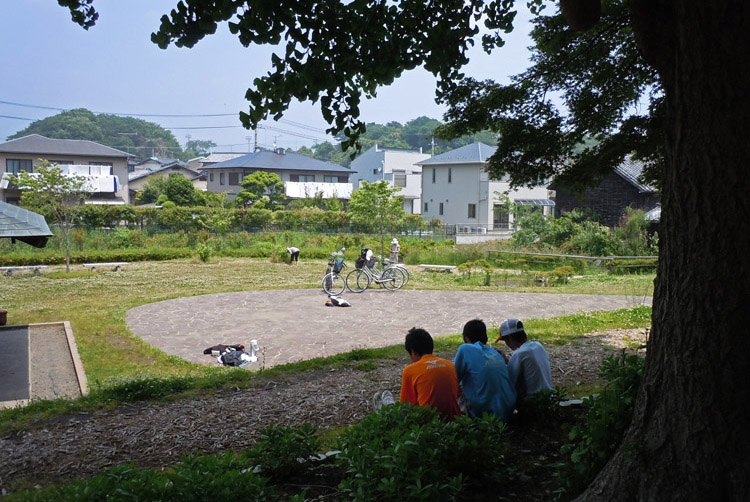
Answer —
292 325
50 361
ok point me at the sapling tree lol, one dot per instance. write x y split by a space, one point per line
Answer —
51 192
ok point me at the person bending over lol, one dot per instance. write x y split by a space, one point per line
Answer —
429 380
483 374
529 364
293 254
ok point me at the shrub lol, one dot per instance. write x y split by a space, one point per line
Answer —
280 449
606 418
204 252
146 388
406 452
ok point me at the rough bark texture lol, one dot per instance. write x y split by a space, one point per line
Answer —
690 436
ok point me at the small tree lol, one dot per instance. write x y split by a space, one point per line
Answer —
376 207
180 190
151 190
51 192
261 188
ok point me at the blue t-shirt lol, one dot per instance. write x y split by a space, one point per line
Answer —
484 380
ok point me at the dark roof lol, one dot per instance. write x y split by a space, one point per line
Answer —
24 225
630 169
272 161
161 160
37 144
470 154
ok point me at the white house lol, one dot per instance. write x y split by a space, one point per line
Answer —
457 190
398 167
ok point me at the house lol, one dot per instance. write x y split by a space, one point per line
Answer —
303 176
398 167
457 190
155 167
105 168
619 190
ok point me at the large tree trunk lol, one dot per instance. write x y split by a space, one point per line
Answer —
690 435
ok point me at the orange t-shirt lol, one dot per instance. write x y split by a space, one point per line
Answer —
431 381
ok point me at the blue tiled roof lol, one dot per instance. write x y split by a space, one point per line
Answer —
278 162
469 154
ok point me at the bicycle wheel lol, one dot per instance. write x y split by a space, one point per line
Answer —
405 272
393 278
357 280
333 284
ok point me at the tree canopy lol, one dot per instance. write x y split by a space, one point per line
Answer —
262 190
139 137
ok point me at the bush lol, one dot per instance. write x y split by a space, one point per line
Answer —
146 388
406 452
204 252
280 449
606 418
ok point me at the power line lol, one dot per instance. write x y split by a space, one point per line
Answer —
41 107
16 118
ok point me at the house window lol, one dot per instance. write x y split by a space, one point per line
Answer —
450 174
302 177
211 177
399 180
62 162
472 210
234 178
221 179
425 207
433 174
500 217
375 171
332 179
440 211
15 166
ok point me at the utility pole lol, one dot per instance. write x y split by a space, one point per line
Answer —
248 138
433 146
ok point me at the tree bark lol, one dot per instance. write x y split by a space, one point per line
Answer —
690 435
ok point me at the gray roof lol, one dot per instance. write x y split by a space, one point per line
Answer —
161 160
37 144
272 161
630 169
215 157
148 172
475 153
24 225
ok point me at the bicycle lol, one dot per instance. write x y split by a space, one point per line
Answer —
333 282
398 265
359 279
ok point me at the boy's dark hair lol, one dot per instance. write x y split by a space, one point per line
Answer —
420 341
475 331
519 336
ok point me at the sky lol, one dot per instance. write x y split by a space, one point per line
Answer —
50 63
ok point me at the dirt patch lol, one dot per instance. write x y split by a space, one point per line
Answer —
157 434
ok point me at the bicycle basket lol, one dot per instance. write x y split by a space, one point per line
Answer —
359 263
371 263
338 265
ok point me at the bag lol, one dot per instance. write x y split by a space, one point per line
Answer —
234 358
338 265
360 262
336 301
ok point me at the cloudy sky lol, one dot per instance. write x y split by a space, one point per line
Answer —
49 63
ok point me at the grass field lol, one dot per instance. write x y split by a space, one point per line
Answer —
96 302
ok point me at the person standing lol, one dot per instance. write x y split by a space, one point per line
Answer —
293 254
528 366
429 380
483 374
395 250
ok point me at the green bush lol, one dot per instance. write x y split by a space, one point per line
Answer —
204 252
406 452
280 449
606 418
